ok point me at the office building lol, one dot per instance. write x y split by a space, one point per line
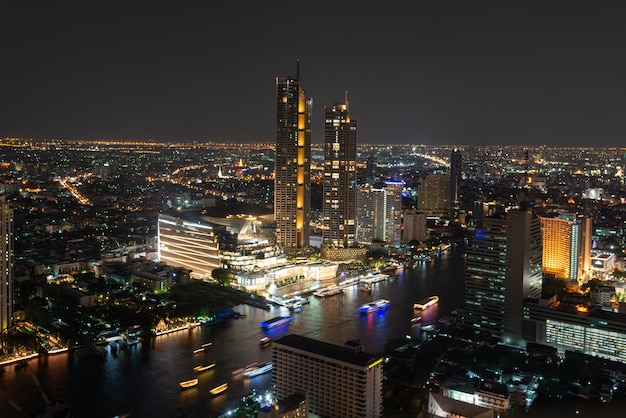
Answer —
456 167
337 381
6 265
379 213
434 194
503 266
292 184
567 246
189 245
339 195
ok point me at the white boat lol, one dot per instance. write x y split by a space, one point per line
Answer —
415 320
188 383
198 350
329 291
258 369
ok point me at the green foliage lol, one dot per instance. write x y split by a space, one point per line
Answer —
221 275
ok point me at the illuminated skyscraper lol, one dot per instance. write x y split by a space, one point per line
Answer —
6 265
292 185
566 246
502 268
339 203
456 166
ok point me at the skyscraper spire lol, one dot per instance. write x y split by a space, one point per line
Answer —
298 70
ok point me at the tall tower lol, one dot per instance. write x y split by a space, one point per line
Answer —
379 213
292 185
456 165
339 203
6 265
503 267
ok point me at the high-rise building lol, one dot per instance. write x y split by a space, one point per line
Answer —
566 246
379 213
336 381
503 266
456 167
414 227
339 202
292 184
434 194
6 265
189 245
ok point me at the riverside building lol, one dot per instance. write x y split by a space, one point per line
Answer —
336 381
292 184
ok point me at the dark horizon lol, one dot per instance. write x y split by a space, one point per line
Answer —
434 73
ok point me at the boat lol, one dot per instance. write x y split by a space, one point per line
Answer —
198 350
199 369
265 341
205 345
374 306
426 303
415 320
326 292
275 322
258 369
237 372
188 383
219 389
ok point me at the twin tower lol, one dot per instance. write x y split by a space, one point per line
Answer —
292 184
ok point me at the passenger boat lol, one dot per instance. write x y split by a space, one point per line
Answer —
237 372
374 306
205 345
265 341
219 389
188 383
415 320
198 350
258 369
199 369
326 292
426 303
275 322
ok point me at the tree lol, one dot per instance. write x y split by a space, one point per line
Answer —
221 275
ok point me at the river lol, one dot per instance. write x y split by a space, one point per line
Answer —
143 380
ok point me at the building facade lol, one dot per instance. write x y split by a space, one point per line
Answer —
339 204
503 266
292 184
6 265
379 213
337 381
414 227
434 195
189 245
566 246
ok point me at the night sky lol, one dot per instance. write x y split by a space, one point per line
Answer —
424 72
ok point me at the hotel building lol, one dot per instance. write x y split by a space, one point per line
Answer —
6 265
456 167
566 246
434 194
292 184
503 267
336 381
189 245
339 202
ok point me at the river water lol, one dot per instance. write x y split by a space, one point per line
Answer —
143 380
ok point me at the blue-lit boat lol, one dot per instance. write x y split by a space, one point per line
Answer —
258 369
374 306
275 322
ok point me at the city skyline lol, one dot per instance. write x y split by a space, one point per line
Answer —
474 73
